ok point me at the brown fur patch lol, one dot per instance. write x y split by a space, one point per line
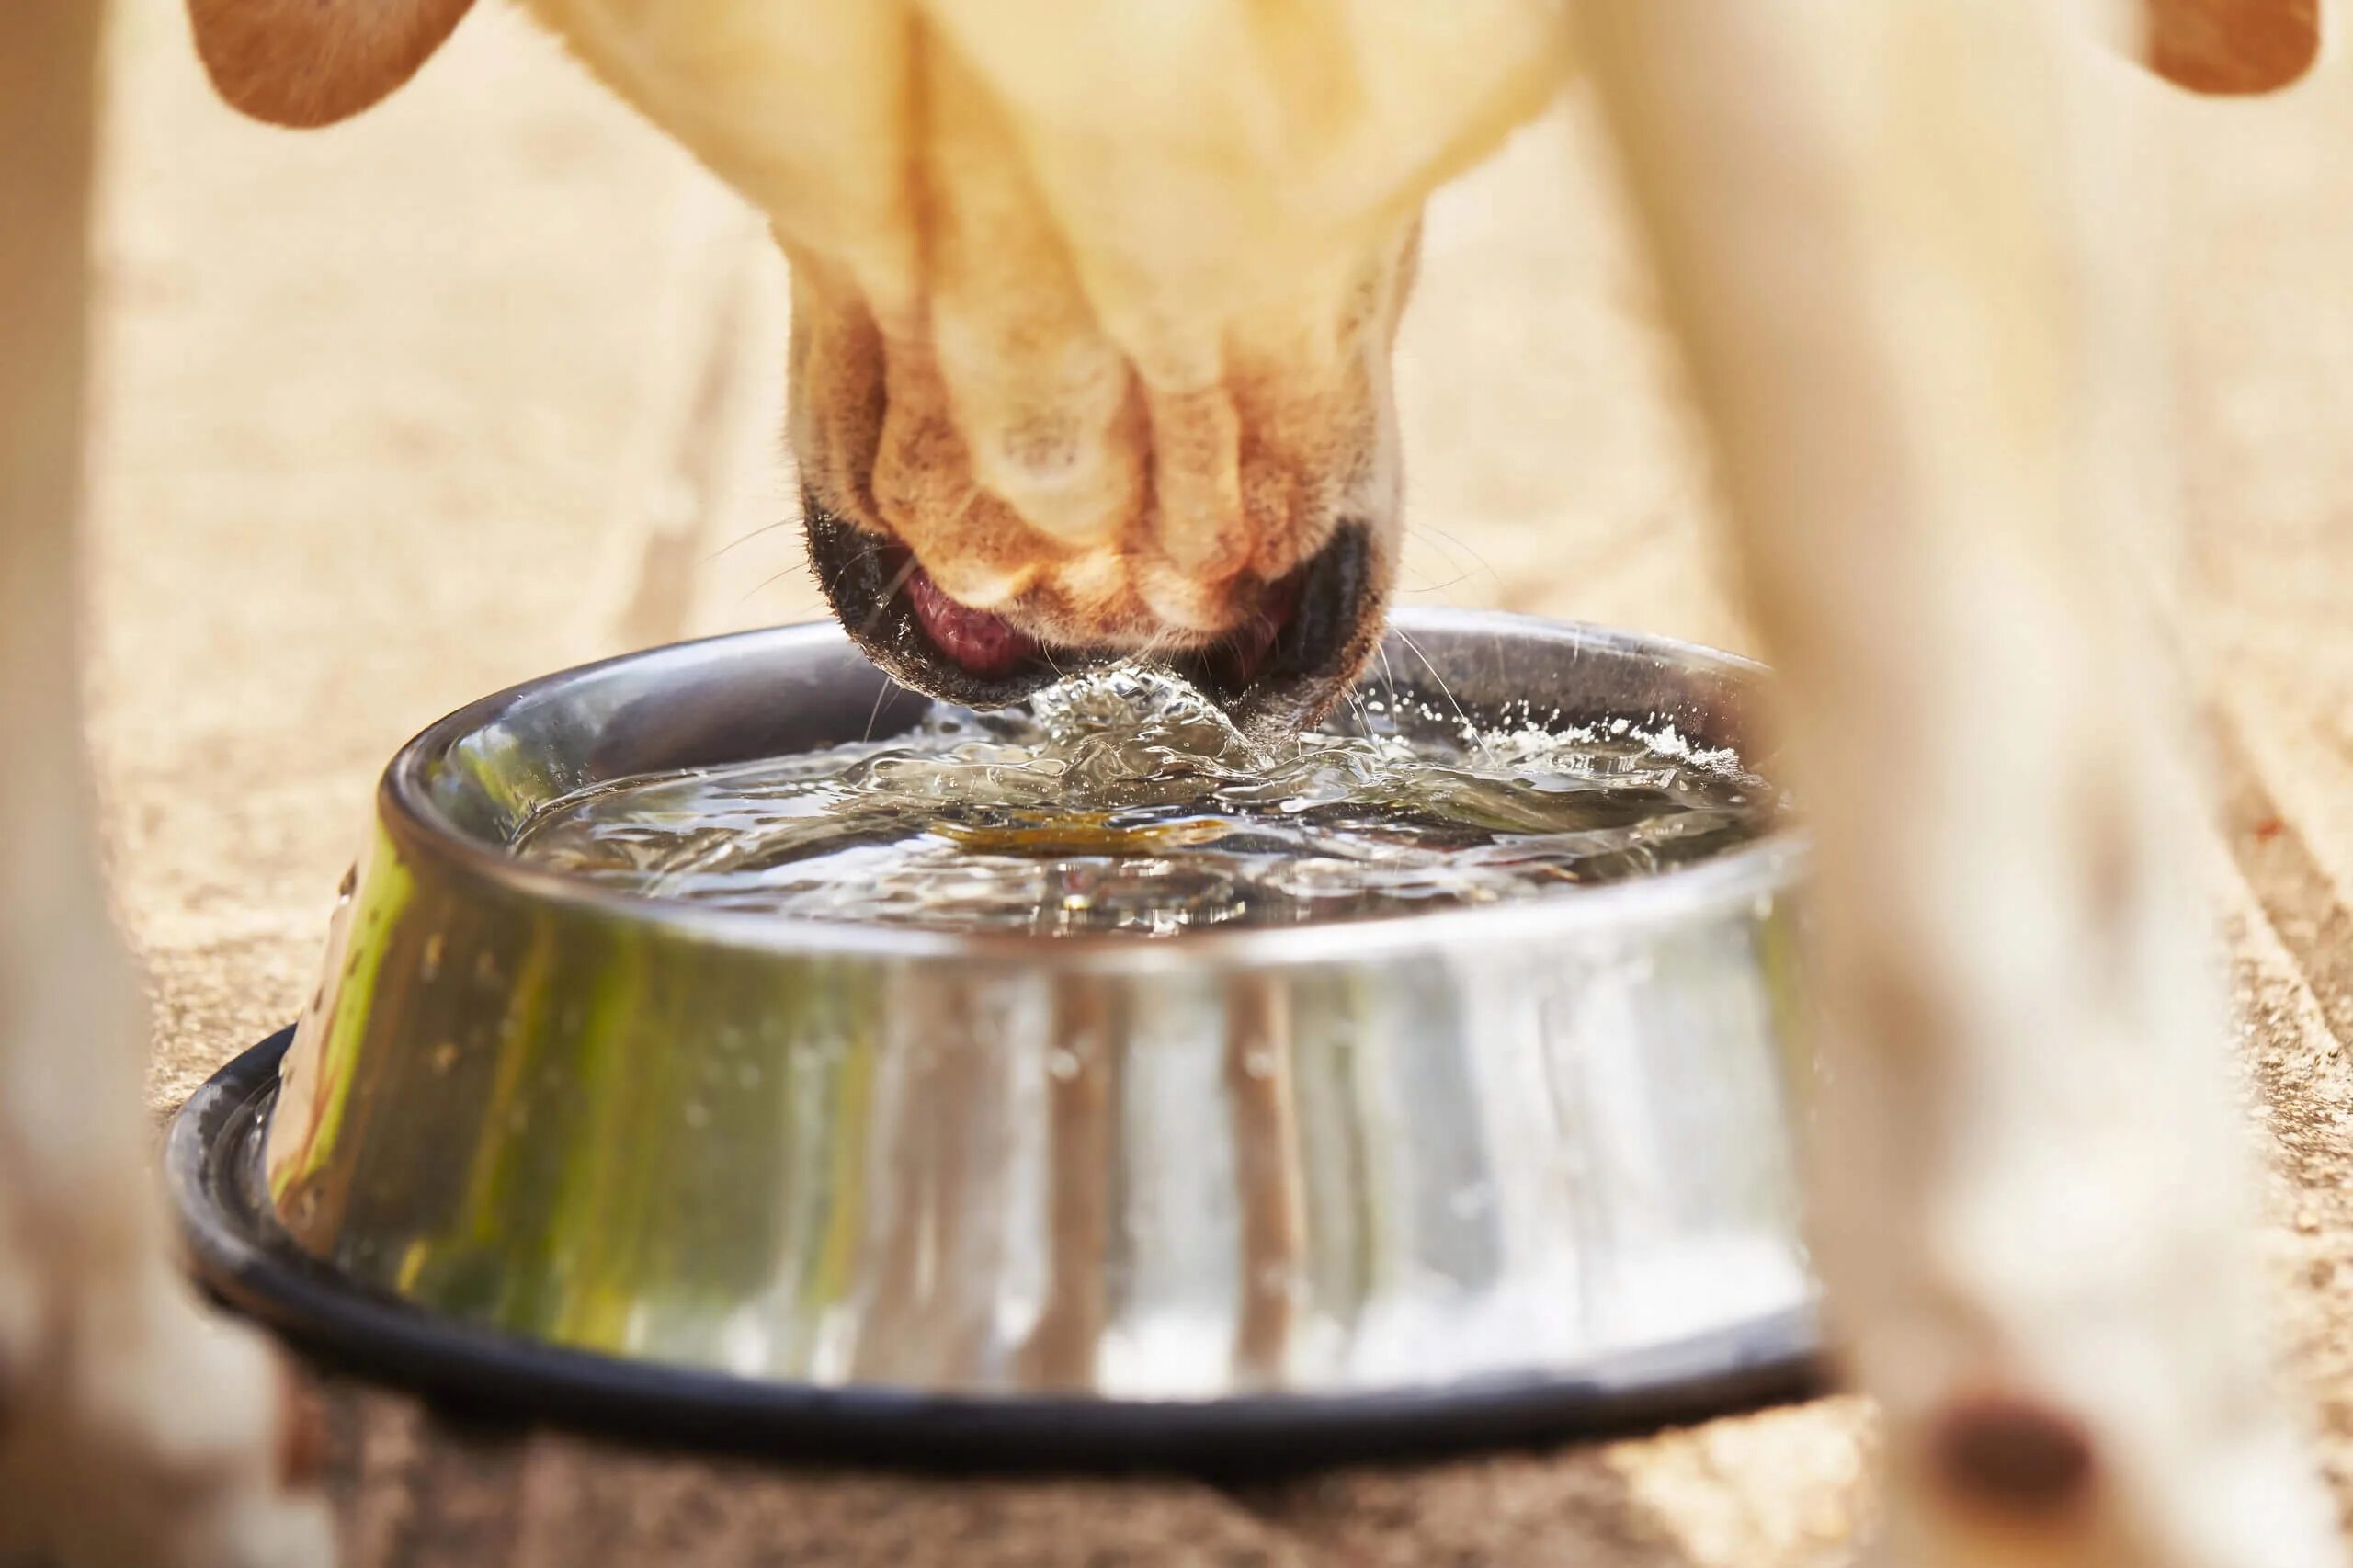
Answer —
2013 1457
2233 46
310 62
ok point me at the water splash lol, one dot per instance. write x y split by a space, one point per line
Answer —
1124 800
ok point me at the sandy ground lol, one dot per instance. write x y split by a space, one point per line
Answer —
487 383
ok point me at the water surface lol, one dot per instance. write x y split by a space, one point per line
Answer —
1123 801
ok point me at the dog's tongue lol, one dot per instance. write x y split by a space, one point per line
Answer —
976 641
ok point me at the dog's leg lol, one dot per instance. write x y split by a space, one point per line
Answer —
1887 234
134 1429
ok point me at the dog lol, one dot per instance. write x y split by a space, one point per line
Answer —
1092 309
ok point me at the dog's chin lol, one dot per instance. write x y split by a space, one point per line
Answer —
1288 667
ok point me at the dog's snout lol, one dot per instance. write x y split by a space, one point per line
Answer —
1291 645
1030 476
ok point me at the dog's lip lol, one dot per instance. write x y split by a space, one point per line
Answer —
978 642
1284 665
985 646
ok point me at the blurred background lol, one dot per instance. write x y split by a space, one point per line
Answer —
490 382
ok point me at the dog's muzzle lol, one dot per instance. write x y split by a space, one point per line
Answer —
1286 663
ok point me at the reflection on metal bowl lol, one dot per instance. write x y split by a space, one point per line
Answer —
1512 1154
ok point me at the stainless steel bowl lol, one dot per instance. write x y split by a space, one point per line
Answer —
1531 1157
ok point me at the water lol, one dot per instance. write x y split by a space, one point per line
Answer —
1125 801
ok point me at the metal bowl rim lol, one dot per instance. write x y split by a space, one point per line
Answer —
1761 869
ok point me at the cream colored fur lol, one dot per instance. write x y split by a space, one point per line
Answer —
137 1430
1093 298
1096 295
1907 251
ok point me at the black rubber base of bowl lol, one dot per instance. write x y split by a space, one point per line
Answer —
500 1377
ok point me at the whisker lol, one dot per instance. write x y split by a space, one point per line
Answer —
868 553
1454 582
1355 699
875 712
898 580
765 583
1446 691
1443 539
1440 545
763 529
1406 562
